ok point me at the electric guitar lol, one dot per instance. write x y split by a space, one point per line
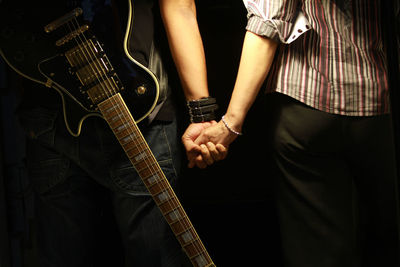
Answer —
66 56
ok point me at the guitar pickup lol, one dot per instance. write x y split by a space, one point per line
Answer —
94 71
84 52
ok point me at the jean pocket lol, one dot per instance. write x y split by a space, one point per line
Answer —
38 123
128 180
46 168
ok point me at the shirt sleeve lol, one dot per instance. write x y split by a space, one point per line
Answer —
281 20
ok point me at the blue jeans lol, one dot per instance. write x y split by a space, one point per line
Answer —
76 178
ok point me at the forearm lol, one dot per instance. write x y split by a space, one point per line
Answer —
186 46
256 59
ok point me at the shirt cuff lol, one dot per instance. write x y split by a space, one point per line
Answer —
279 31
261 27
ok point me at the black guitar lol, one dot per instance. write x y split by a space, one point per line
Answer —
65 55
40 54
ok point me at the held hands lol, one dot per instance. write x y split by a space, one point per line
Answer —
207 142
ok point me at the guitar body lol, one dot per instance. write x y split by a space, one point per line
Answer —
33 53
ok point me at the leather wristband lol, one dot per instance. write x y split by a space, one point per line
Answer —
202 118
202 110
205 101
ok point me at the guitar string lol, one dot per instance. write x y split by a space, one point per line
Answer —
194 236
186 226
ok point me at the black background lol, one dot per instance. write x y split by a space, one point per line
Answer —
229 203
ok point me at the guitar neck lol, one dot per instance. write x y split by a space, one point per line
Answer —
119 118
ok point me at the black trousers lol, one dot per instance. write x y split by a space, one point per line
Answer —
336 188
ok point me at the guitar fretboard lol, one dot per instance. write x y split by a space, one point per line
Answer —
118 116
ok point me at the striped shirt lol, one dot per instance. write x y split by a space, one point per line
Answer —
331 55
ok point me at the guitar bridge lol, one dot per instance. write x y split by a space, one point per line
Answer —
64 19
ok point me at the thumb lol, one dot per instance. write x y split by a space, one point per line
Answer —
201 139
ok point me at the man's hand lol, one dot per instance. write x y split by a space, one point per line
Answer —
214 142
202 154
194 150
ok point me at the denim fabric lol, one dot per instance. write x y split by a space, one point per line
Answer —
76 178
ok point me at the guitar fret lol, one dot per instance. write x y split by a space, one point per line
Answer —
148 170
121 127
152 179
145 163
111 104
115 114
180 226
115 118
194 249
118 120
156 188
141 156
186 237
132 144
128 139
163 196
123 133
112 111
174 215
168 206
201 260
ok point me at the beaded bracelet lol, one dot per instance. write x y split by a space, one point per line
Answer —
229 128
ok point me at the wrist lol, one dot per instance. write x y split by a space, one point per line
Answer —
235 121
232 128
202 110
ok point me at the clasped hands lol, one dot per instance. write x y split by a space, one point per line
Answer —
206 143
